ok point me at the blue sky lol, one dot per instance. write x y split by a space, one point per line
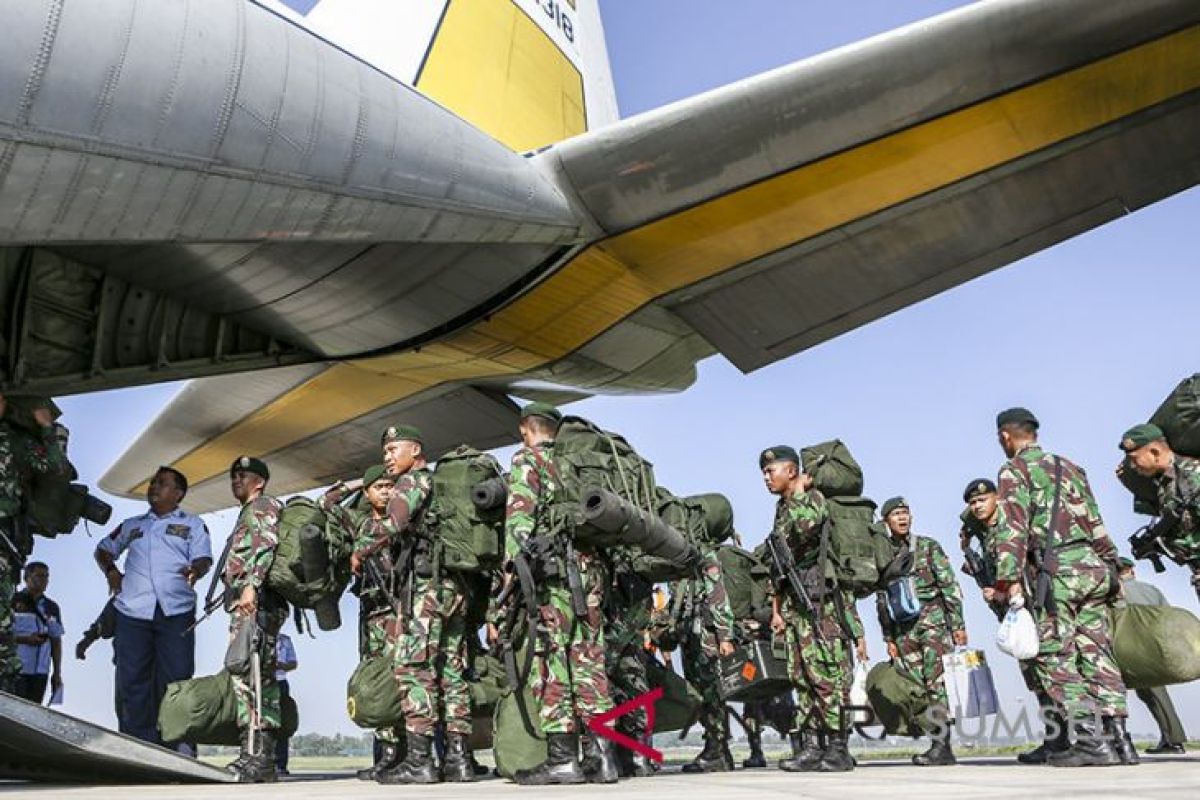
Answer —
1090 334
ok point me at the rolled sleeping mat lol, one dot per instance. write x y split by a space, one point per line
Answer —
490 494
606 512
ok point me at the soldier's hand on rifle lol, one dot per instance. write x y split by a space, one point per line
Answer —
725 648
778 626
960 638
247 604
892 650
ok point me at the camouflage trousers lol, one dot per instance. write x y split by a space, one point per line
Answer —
570 676
627 679
922 643
1075 664
271 620
702 668
10 663
820 671
379 636
430 659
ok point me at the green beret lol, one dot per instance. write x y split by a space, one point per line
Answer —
402 433
252 465
544 410
1139 436
373 474
1125 562
1016 415
780 452
891 504
977 487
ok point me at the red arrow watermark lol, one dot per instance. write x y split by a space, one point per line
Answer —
598 726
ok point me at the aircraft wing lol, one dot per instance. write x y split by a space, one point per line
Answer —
765 217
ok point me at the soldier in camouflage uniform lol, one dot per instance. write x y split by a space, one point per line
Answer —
980 521
40 454
819 657
1177 480
249 555
430 645
571 676
702 624
377 615
627 616
920 644
1051 526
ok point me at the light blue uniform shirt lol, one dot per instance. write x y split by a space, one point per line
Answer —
160 548
35 658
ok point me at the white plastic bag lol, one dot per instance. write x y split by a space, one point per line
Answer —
858 696
1018 635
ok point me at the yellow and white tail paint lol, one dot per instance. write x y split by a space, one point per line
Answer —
528 72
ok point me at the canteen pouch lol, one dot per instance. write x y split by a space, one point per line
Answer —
903 605
241 647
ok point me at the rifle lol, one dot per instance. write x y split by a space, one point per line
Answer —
575 581
785 568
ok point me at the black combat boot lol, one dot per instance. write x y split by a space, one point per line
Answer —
604 762
1091 749
1165 748
1114 728
260 766
756 759
643 767
417 766
560 767
939 754
235 767
1050 745
715 757
836 757
389 757
807 749
457 766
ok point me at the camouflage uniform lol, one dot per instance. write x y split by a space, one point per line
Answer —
429 650
924 641
1179 498
821 671
1075 664
17 463
627 618
571 678
254 539
702 619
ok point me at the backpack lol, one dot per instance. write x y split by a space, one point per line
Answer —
834 471
718 516
311 568
685 516
746 581
585 457
204 711
471 540
858 553
1179 418
898 700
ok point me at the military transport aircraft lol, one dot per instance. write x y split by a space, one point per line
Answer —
420 209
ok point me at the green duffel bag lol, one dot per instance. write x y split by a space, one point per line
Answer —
513 747
834 471
372 698
680 703
899 700
204 711
489 685
1156 645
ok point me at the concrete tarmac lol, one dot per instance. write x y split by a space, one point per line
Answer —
1161 777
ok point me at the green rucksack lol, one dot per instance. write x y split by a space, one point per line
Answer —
685 516
1179 418
746 580
898 699
718 516
834 471
587 457
204 711
372 698
1156 645
680 703
471 540
311 568
859 553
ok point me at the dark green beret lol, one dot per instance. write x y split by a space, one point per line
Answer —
1141 435
977 487
1016 415
250 464
402 433
373 474
780 452
544 410
891 504
1125 562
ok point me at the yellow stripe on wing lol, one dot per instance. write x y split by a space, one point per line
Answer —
610 280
